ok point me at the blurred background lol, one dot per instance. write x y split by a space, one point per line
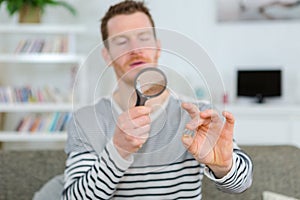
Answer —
232 42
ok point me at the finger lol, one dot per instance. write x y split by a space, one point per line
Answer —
138 111
192 109
210 114
137 143
194 123
229 123
187 140
142 132
129 124
138 139
139 122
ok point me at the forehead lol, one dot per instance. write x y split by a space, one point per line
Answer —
123 23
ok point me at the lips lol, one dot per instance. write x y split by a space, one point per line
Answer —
136 64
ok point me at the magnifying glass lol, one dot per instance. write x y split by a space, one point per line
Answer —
149 83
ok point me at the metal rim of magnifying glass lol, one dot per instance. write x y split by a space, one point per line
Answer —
150 69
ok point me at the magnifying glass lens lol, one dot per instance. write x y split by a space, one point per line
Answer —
149 83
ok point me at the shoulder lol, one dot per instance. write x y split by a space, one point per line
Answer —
92 114
102 106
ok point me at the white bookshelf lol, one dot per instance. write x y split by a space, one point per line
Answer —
265 109
33 137
10 60
39 107
41 58
266 124
41 28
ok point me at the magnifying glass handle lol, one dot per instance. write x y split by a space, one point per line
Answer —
140 100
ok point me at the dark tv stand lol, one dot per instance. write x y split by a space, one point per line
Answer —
260 98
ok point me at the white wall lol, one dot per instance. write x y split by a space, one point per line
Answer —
228 44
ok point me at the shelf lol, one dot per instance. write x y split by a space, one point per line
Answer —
11 57
41 58
27 107
42 28
264 109
33 137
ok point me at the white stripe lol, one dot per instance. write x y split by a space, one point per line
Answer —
161 176
164 168
111 165
161 183
164 192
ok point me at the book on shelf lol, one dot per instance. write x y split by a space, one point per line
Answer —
28 94
25 124
2 118
55 122
20 46
35 124
26 46
38 45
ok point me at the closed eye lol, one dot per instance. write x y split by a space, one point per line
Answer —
119 41
146 36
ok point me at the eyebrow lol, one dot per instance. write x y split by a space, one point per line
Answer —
125 36
145 32
117 37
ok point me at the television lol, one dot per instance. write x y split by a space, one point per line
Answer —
259 83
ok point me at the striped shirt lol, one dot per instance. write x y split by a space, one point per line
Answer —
161 169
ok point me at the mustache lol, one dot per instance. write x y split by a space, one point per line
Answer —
137 59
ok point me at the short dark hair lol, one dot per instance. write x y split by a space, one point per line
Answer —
125 7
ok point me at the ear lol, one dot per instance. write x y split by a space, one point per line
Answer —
106 56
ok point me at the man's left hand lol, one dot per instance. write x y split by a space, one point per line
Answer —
212 142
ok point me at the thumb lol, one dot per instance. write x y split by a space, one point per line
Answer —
187 140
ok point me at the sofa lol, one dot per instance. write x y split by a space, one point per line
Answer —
276 169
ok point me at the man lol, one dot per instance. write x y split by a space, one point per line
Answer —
119 151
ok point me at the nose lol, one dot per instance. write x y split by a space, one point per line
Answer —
135 47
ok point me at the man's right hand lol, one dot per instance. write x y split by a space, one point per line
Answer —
132 130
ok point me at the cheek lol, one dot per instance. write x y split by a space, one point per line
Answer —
116 56
120 61
154 55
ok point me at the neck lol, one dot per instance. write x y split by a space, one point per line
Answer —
124 95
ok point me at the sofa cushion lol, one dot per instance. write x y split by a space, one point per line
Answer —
51 190
22 173
267 195
276 168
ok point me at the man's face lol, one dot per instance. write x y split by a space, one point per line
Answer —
132 45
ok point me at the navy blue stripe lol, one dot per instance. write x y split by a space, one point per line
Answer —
164 165
159 194
165 179
76 168
78 190
110 169
163 172
113 161
78 154
190 197
159 186
73 163
73 189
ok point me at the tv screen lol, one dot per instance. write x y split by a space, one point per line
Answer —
259 83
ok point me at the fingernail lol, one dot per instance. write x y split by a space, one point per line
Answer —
188 132
187 138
